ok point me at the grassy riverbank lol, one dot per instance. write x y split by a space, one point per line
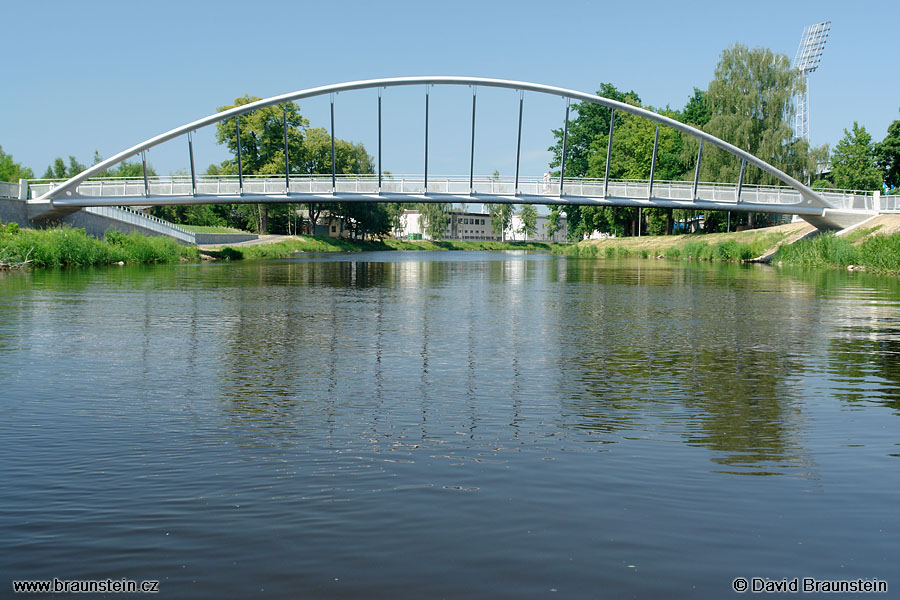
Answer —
68 247
65 246
290 246
743 245
865 248
878 253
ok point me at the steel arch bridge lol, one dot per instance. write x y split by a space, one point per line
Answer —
825 211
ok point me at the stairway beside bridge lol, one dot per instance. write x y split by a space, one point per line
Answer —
97 220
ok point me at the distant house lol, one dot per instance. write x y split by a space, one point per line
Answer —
514 231
327 225
464 225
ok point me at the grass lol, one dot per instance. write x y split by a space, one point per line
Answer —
69 247
739 246
880 253
66 247
289 247
859 233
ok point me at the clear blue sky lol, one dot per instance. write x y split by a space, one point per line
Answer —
103 76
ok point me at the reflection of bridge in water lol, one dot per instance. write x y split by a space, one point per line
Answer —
825 210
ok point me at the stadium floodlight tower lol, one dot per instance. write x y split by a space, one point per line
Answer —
809 53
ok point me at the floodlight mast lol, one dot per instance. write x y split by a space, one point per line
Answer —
809 54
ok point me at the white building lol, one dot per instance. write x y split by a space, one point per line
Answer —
464 225
514 231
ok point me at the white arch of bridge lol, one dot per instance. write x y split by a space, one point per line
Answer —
814 203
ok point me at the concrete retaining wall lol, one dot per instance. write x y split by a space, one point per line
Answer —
13 211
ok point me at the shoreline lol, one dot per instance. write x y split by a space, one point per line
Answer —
874 248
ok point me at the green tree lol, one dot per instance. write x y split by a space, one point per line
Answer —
751 103
309 152
262 144
12 171
434 218
630 158
590 123
587 128
59 170
887 154
132 170
262 136
631 153
360 218
697 112
853 161
501 217
528 214
554 221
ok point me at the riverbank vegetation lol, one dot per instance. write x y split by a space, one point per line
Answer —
71 247
863 249
289 247
738 246
879 253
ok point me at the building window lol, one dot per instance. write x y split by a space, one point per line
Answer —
333 228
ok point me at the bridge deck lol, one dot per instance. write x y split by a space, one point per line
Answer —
412 188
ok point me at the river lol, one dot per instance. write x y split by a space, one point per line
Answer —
449 424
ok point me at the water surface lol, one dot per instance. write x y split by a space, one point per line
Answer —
454 424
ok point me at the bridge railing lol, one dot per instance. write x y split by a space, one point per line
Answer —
850 199
9 189
890 203
229 185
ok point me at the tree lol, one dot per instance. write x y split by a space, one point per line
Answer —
590 123
131 170
262 136
528 214
554 221
853 161
630 158
751 103
501 217
887 155
262 143
697 112
59 170
350 158
309 152
434 218
12 171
